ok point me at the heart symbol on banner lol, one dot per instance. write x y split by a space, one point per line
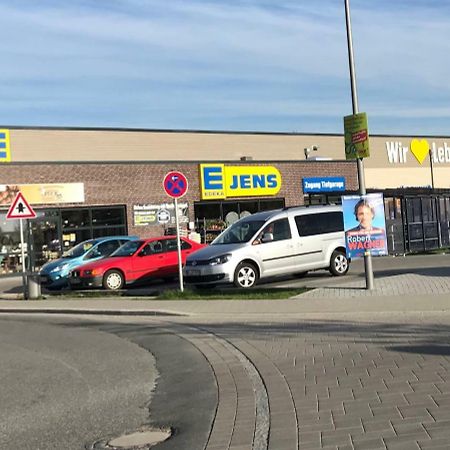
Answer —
420 149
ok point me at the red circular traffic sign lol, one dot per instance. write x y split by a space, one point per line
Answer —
175 184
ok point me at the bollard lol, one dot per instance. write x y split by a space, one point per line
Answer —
33 286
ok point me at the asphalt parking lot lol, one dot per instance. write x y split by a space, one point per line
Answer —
407 269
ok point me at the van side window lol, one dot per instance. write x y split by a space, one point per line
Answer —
280 230
311 224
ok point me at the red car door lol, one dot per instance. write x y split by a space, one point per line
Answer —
172 254
170 247
150 261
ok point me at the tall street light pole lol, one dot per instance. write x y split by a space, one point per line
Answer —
359 161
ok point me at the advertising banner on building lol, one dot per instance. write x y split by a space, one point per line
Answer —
364 225
159 214
219 181
43 194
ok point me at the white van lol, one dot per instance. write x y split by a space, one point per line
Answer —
280 242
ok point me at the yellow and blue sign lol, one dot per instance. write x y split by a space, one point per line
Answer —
218 181
5 152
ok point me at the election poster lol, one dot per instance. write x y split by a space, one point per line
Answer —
364 225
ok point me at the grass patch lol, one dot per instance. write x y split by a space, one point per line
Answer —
175 294
228 294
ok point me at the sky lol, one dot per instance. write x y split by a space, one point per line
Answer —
235 65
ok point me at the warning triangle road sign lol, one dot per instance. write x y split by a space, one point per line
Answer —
20 209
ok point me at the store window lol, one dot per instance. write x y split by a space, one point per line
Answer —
75 218
213 217
324 199
55 231
103 217
10 247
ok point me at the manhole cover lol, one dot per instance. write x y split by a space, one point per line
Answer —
140 439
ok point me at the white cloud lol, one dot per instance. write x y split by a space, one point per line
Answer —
220 59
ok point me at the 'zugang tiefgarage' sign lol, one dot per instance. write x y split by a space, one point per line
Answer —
419 149
218 181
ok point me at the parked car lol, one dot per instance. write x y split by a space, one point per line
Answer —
136 261
279 242
54 274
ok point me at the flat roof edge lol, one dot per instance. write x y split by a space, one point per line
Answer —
192 131
173 162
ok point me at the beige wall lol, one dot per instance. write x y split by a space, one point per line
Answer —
39 145
91 145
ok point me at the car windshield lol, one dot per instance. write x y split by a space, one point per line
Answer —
79 250
128 249
241 231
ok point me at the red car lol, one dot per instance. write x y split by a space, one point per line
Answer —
134 261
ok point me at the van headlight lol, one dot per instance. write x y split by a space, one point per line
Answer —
222 259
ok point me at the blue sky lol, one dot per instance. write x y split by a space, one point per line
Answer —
238 65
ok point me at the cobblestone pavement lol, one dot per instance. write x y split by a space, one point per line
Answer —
382 383
337 367
403 284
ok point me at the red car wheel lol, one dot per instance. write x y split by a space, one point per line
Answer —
113 280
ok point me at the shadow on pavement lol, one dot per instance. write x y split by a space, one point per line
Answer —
429 339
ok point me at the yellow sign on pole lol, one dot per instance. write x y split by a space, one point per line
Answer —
5 151
356 134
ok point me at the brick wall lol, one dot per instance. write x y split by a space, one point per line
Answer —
141 183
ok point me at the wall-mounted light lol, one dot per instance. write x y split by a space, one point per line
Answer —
308 150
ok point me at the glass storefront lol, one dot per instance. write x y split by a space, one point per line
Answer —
211 217
55 231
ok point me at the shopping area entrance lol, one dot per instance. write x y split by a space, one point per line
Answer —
54 231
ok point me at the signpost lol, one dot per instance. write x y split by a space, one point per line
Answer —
176 185
20 209
358 135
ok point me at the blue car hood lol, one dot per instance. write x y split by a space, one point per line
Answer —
49 266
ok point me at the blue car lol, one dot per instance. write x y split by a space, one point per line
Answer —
54 274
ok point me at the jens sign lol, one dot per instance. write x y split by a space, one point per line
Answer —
419 149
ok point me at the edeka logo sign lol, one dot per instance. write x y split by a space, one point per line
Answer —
219 181
419 149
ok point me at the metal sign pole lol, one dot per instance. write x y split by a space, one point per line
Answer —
362 185
180 261
22 249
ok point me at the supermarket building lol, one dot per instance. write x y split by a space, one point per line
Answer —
87 183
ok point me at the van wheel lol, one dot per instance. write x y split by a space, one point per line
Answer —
245 275
339 263
113 280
